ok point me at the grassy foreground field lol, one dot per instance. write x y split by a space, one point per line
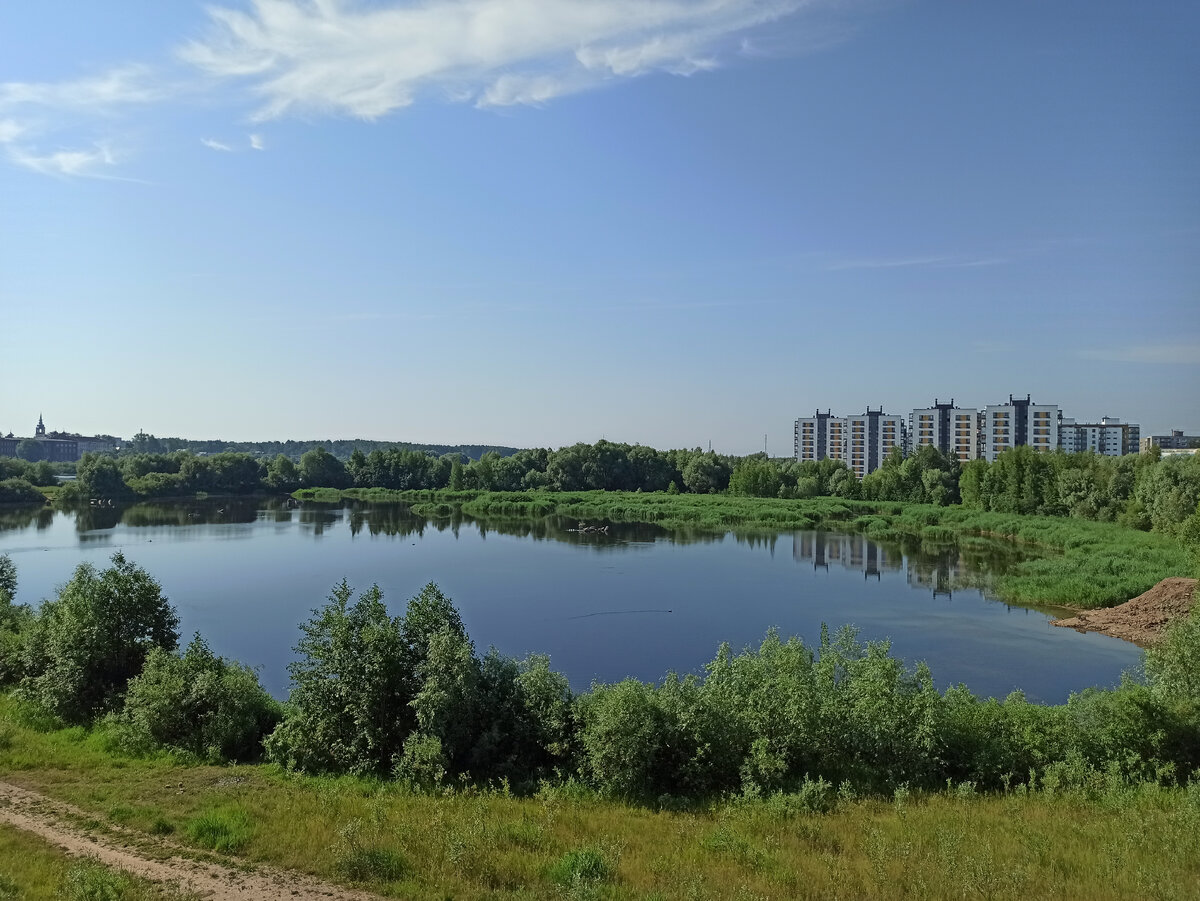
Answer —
1098 840
1085 564
33 870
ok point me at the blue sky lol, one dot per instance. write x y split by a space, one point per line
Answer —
535 222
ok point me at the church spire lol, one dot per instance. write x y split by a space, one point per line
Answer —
41 428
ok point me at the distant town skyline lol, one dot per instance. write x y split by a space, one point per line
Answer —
541 223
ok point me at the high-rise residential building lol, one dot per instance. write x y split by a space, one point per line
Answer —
1176 440
870 437
1019 423
952 430
1109 436
862 441
813 439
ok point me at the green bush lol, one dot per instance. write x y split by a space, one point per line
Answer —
200 703
84 646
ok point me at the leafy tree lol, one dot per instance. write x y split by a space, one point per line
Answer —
321 469
351 686
755 477
201 703
19 491
86 644
14 621
282 474
99 476
31 450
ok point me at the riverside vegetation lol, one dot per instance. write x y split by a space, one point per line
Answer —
407 761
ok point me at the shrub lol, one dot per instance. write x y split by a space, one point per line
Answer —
85 645
201 703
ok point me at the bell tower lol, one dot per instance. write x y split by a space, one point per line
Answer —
40 431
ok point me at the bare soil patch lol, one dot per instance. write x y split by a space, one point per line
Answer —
158 859
1143 619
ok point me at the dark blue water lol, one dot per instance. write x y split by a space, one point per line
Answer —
635 602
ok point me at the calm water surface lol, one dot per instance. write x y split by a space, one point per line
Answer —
638 601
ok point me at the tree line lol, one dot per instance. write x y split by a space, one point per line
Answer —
407 697
1143 491
144 443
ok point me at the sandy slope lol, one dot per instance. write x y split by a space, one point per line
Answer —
1143 619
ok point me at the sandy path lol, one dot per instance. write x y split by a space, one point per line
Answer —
49 819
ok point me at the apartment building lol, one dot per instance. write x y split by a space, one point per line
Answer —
1018 423
862 441
952 430
1109 436
1176 440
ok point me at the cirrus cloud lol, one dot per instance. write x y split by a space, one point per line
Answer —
333 56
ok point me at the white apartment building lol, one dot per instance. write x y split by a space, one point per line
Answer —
952 430
1016 424
1109 436
862 441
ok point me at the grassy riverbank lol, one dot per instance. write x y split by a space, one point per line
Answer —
1097 839
1088 564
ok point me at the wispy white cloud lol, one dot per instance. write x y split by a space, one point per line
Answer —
216 145
367 60
933 262
35 113
88 163
257 142
1174 352
10 130
119 86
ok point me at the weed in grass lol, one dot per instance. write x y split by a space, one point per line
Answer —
160 826
221 829
581 868
360 858
89 881
8 734
121 814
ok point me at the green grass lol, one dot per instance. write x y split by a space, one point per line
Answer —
1079 563
31 869
1125 842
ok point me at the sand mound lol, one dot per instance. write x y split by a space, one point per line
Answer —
1143 619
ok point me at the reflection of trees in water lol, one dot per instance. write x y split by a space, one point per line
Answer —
200 511
13 519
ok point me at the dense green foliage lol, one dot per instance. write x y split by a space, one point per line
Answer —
84 646
376 694
19 491
200 703
407 695
41 473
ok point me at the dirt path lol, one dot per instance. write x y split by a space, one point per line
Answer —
1142 620
157 859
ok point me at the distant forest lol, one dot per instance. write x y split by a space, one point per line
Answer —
342 448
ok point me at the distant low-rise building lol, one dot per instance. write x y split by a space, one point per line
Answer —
1109 436
1176 440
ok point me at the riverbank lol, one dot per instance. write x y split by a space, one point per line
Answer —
1073 838
1082 564
1144 619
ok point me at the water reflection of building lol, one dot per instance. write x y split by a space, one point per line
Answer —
941 575
853 552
